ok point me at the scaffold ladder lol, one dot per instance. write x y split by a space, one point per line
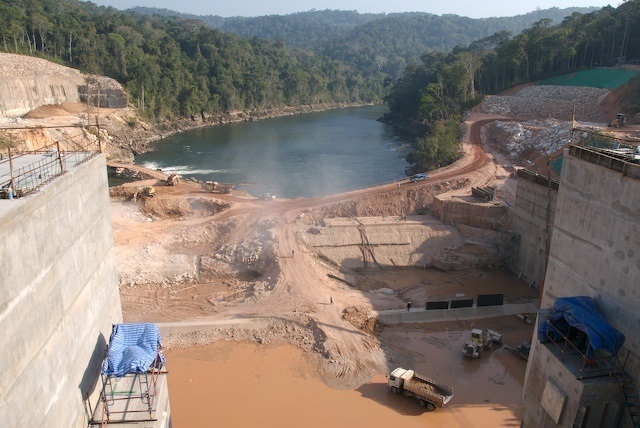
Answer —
631 395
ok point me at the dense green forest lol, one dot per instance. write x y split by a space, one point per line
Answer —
441 86
183 66
372 42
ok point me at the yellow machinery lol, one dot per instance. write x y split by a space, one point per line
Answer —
619 121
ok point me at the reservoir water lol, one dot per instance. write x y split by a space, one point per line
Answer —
305 155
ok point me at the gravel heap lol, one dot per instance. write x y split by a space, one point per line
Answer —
13 65
543 136
547 101
106 82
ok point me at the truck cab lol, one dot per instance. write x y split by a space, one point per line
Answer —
395 379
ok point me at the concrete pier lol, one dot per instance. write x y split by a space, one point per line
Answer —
58 298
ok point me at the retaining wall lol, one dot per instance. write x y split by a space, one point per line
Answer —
469 211
58 299
19 95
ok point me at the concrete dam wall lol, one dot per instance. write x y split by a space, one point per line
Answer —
58 300
595 252
535 198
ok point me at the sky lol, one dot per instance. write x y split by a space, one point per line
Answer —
470 8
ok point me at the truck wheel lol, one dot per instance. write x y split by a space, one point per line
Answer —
431 407
395 390
422 403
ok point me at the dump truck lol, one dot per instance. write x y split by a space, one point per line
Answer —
215 187
172 180
481 340
428 393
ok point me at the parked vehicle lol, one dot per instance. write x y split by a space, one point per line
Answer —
428 393
418 177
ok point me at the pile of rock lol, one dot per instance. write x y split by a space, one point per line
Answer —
547 101
542 136
15 65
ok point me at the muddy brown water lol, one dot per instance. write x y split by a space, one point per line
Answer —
232 384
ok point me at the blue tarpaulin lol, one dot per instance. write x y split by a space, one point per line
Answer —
132 349
580 313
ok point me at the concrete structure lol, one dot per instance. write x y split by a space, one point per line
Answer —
534 196
22 94
27 82
419 315
58 298
595 251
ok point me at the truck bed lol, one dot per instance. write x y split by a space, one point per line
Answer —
427 388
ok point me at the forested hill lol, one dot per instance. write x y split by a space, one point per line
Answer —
184 67
373 41
441 86
313 29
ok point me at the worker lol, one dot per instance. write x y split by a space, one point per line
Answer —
408 306
293 252
331 299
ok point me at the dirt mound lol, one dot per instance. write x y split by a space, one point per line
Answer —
122 192
182 208
51 110
361 319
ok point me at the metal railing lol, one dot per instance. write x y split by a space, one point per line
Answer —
594 365
29 171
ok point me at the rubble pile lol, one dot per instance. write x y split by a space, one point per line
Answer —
543 136
547 101
14 65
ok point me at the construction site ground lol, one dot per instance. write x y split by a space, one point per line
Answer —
189 255
319 357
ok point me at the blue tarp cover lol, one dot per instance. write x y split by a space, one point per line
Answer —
132 349
580 312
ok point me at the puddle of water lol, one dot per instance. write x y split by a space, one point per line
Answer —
249 385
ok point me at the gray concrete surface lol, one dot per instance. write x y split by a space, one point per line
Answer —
58 299
530 223
33 170
595 251
19 95
435 315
